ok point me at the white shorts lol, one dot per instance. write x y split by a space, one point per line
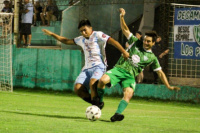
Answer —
95 72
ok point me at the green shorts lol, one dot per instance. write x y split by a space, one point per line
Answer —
118 75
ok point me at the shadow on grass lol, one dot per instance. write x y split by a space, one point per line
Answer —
45 115
50 116
105 120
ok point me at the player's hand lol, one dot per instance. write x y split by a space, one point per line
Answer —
174 88
122 12
127 45
125 55
47 32
161 55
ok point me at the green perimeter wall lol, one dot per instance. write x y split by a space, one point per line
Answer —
58 69
46 68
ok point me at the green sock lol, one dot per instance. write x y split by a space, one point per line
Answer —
122 105
100 94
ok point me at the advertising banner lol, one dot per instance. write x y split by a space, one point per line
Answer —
187 33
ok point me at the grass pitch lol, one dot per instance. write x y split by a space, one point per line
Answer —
42 112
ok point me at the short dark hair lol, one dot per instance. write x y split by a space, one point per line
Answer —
6 2
152 34
84 22
139 32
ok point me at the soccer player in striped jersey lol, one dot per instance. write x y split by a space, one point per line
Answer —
93 44
126 70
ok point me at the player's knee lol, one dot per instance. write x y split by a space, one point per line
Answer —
76 88
102 82
104 79
128 94
93 82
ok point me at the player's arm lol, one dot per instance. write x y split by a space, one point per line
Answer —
25 11
119 47
59 38
123 25
162 76
164 53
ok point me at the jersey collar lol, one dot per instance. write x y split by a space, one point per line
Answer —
89 36
148 50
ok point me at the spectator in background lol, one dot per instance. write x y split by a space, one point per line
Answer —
140 76
6 8
138 34
11 3
50 13
6 19
157 49
37 12
27 17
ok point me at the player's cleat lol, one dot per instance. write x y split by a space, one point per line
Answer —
101 105
96 102
117 117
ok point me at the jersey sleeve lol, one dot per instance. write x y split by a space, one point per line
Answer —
132 39
79 41
29 7
102 36
156 65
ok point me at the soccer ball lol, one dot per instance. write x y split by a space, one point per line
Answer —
93 113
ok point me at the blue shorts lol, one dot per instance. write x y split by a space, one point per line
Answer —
95 72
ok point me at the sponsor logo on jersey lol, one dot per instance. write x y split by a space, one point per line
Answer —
108 72
96 73
145 58
137 49
104 35
134 60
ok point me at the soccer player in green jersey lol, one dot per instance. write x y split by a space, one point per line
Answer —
125 71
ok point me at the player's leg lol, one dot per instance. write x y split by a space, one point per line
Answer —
112 77
105 79
81 87
129 86
96 73
97 94
82 92
93 87
128 93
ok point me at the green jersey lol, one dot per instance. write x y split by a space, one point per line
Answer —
139 58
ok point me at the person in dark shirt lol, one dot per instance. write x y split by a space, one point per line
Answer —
6 19
50 13
7 8
159 51
37 11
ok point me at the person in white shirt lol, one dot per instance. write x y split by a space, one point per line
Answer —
93 44
27 17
